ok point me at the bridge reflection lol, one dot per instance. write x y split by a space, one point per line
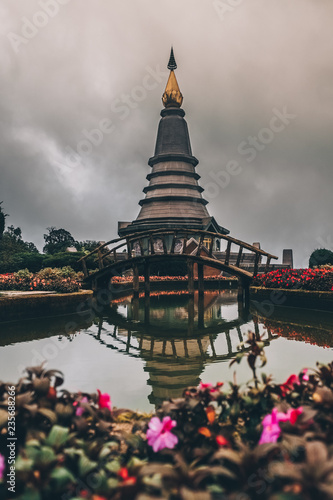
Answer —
175 334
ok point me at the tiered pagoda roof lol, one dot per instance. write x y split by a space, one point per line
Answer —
173 197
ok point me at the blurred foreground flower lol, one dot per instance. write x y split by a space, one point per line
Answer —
271 429
104 400
80 410
159 433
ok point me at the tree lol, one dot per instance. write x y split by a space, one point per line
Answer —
15 233
2 220
86 246
320 257
57 240
12 242
31 247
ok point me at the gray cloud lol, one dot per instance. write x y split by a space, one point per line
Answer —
233 72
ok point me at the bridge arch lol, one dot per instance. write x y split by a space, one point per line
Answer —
165 245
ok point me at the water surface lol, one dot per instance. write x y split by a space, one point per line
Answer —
144 351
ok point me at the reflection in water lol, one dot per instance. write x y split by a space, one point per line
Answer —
170 339
34 329
175 335
312 327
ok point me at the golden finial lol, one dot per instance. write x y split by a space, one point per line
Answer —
172 95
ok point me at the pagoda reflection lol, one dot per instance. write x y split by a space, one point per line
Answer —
174 334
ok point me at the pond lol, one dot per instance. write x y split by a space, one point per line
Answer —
142 351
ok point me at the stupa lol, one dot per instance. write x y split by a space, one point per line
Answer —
173 197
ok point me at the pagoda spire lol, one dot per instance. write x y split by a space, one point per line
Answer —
172 96
172 65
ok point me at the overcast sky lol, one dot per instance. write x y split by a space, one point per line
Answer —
259 72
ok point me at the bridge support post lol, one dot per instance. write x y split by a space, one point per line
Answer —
147 278
135 281
201 310
201 282
240 293
94 285
135 308
243 297
190 274
190 316
147 310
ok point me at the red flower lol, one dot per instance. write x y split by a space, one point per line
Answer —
222 441
52 394
289 384
127 479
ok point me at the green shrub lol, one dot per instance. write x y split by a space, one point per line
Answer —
11 263
321 257
67 259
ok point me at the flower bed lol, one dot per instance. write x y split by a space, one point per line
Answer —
320 279
63 280
267 441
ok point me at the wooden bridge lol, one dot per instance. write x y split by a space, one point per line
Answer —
163 245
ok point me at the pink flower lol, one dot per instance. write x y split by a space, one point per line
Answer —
305 375
79 410
203 385
159 435
2 466
104 400
271 429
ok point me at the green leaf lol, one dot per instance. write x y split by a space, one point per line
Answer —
86 465
60 477
135 463
108 448
112 483
23 464
33 442
30 494
57 437
113 466
46 456
154 481
73 452
133 440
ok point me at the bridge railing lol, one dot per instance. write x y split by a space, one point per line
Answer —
173 242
